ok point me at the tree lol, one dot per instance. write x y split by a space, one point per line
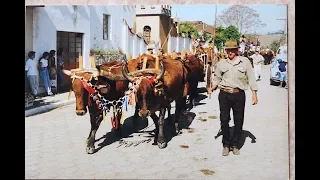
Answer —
188 29
224 34
274 46
219 40
242 17
231 33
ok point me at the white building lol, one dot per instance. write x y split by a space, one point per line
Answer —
76 29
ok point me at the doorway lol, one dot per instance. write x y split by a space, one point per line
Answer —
71 44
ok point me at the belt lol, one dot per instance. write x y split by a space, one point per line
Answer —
231 91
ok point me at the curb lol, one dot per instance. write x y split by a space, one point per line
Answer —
48 107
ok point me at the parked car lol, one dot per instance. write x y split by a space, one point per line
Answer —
282 54
275 73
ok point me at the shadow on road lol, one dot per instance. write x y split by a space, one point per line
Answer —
129 127
202 90
244 136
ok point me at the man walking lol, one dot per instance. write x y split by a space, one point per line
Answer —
232 76
257 62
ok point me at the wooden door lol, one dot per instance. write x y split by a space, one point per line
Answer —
71 43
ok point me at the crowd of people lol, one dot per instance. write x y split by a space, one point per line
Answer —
47 69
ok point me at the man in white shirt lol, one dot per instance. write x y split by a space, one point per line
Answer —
32 73
257 62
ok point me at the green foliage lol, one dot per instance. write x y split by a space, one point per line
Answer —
222 35
188 28
231 33
219 40
274 46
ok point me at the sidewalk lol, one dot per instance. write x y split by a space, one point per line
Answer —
44 104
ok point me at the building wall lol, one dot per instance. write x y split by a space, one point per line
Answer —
116 15
165 25
29 31
153 22
50 19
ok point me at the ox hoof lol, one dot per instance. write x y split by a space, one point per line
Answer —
162 145
90 150
161 142
193 103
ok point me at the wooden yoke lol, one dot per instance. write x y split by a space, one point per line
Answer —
144 65
174 55
183 54
92 62
157 59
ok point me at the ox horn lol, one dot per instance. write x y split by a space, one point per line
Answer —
67 72
125 73
162 71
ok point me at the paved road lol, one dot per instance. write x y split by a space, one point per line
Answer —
55 145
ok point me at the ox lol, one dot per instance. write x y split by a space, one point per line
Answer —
195 68
155 93
94 92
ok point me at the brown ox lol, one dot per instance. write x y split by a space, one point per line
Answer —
156 93
195 68
111 87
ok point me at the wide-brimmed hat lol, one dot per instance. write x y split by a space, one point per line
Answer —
231 44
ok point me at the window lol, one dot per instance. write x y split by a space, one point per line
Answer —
106 26
147 33
143 7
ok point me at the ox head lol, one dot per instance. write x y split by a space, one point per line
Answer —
150 89
84 84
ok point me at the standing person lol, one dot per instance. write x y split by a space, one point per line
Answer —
257 62
242 46
60 63
53 70
32 73
52 65
243 38
44 73
248 45
233 76
283 73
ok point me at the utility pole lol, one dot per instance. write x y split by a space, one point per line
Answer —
285 24
285 27
214 26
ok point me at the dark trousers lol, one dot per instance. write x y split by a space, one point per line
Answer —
237 102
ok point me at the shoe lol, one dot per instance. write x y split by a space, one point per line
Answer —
225 151
50 94
235 151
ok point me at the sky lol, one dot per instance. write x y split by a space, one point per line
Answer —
268 14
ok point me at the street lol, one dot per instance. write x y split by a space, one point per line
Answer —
55 144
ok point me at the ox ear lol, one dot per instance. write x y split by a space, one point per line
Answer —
67 72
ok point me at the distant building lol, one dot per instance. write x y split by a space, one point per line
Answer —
155 22
201 26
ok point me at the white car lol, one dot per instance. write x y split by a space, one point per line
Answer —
274 68
274 72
